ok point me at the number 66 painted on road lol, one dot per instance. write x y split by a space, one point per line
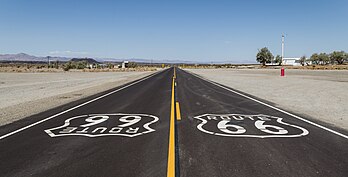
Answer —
265 126
98 125
223 126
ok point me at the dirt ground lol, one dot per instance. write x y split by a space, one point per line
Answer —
317 94
25 94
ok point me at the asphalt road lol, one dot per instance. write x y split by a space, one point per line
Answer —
172 123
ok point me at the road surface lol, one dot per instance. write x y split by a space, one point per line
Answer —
171 123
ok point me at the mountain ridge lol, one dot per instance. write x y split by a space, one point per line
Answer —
27 57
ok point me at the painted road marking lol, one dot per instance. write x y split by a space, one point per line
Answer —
97 125
171 148
75 107
255 126
174 74
273 107
178 115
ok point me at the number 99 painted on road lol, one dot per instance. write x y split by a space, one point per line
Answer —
255 126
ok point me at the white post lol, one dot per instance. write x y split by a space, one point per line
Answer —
282 48
48 62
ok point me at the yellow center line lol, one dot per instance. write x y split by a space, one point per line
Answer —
171 148
178 115
174 73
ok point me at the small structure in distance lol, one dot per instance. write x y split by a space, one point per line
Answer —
124 64
291 61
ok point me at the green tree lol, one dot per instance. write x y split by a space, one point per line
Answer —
264 56
56 64
110 65
338 56
278 59
324 58
303 60
315 58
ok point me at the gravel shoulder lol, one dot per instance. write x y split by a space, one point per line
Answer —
26 94
317 94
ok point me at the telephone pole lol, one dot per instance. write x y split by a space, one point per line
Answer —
48 62
282 48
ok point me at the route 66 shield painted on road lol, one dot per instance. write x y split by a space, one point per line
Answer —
255 126
97 125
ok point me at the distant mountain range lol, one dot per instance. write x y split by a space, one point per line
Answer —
138 60
26 57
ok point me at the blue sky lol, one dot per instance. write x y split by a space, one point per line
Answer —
196 30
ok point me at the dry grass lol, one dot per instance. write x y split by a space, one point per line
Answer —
39 69
256 66
320 67
119 69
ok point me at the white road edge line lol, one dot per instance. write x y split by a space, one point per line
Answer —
275 108
75 107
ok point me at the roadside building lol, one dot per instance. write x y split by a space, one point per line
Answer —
291 61
124 64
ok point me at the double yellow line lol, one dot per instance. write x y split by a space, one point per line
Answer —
171 148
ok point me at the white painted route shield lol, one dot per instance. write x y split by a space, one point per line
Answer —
255 126
97 125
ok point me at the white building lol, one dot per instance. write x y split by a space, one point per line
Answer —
291 61
124 64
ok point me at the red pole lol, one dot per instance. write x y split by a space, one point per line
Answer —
282 72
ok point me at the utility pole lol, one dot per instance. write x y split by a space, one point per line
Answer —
48 62
282 48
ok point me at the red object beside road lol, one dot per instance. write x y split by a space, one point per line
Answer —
282 72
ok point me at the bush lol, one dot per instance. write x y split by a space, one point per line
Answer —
81 65
68 66
132 65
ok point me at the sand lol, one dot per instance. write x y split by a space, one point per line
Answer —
26 94
315 94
